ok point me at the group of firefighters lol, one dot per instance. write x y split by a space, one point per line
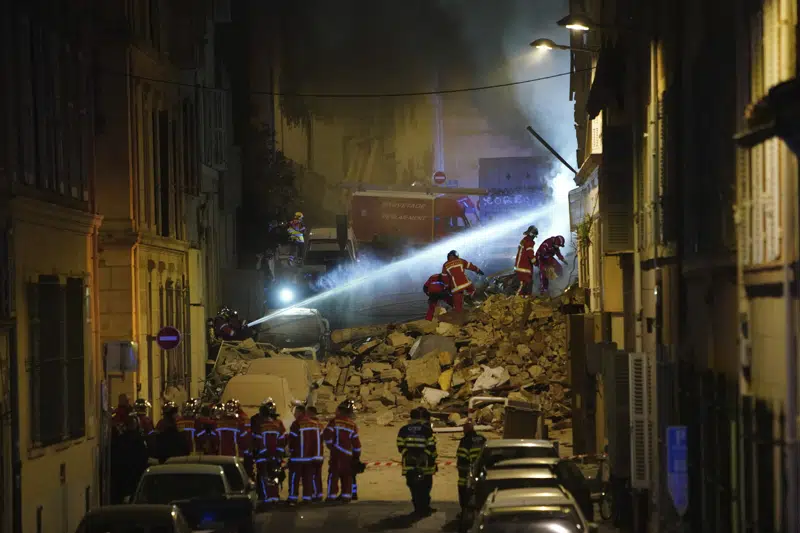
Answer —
452 284
262 441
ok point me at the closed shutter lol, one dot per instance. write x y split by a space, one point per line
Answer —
616 396
616 190
34 359
75 358
640 434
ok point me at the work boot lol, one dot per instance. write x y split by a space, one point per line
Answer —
355 497
331 499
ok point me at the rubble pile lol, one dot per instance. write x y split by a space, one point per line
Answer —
509 346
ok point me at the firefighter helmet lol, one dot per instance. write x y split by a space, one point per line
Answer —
424 414
191 407
298 215
532 231
170 407
559 241
217 410
268 408
347 407
232 407
452 253
141 406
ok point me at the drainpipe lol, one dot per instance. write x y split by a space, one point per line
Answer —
791 356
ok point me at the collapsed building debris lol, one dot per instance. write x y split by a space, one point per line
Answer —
508 346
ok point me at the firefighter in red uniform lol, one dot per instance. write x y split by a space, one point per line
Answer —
546 255
244 442
228 429
437 289
119 417
311 413
341 437
187 422
168 412
269 447
525 261
206 439
456 268
304 450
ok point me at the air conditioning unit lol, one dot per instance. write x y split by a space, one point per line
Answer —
222 11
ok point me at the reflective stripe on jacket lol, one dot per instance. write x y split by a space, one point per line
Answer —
417 445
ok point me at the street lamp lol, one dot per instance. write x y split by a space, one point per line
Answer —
547 44
577 22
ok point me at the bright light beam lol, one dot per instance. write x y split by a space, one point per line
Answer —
439 249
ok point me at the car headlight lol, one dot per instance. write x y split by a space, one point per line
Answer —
286 295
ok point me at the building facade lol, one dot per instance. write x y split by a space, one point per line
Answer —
707 319
166 161
49 369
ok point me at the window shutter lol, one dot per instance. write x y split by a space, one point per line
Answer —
34 360
616 190
615 390
640 429
75 358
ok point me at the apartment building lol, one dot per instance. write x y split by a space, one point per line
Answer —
49 368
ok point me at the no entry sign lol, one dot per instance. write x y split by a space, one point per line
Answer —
439 177
168 338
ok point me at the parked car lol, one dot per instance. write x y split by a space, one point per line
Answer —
537 477
143 518
568 473
532 510
201 492
297 327
233 467
497 450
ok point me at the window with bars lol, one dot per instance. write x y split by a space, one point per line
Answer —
57 359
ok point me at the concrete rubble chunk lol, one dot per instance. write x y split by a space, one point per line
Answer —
433 397
376 368
391 374
422 327
332 374
446 379
491 378
424 371
399 339
385 418
446 358
432 343
447 329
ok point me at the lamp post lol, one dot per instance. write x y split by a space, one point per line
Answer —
547 44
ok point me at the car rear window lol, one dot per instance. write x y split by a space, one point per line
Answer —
487 487
234 476
491 456
166 488
547 520
119 526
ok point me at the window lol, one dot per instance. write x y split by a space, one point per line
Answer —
57 359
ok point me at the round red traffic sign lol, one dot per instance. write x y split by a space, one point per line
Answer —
439 177
168 338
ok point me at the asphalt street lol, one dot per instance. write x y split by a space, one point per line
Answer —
378 517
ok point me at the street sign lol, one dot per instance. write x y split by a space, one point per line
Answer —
439 177
168 338
677 467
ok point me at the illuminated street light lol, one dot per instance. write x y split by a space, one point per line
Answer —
547 44
577 22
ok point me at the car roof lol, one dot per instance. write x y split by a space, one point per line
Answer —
542 472
521 443
184 468
530 497
204 459
527 462
131 509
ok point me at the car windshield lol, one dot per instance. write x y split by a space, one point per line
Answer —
166 488
492 456
544 520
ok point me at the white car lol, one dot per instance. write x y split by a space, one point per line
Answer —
532 510
233 467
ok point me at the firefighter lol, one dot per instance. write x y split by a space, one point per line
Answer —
228 429
169 441
269 446
304 452
206 440
546 256
129 458
525 261
120 414
456 268
437 289
417 446
469 450
297 229
341 438
187 422
311 413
